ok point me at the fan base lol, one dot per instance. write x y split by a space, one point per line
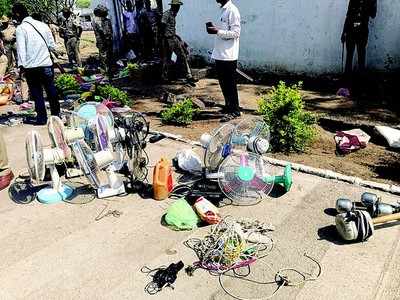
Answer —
50 196
106 191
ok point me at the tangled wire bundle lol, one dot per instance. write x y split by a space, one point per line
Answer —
232 245
229 247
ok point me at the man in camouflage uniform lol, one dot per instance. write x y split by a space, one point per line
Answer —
355 31
104 37
70 30
8 37
3 60
172 43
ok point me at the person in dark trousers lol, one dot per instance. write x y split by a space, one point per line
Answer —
225 54
34 43
355 31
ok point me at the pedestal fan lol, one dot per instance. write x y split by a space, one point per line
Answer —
38 158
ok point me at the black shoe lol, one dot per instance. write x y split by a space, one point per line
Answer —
237 113
35 121
229 117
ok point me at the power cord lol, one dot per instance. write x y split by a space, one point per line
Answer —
162 277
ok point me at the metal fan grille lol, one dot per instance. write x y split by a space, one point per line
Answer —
137 124
34 156
87 162
247 130
56 132
89 110
219 143
244 178
102 133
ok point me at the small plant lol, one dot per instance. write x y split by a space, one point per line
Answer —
181 113
108 91
66 82
132 67
291 127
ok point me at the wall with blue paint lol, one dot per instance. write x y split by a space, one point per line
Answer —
294 35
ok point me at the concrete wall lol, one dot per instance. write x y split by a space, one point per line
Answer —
295 35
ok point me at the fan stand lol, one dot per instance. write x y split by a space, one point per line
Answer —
114 187
58 192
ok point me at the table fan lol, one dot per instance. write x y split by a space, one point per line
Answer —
136 129
92 165
38 158
251 135
61 137
243 178
217 146
86 118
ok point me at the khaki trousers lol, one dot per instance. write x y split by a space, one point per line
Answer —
3 156
3 65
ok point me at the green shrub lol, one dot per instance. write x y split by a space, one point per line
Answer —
83 3
291 127
66 82
108 91
132 67
181 113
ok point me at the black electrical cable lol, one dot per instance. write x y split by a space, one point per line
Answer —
161 277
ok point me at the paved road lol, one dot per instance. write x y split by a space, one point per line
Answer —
60 251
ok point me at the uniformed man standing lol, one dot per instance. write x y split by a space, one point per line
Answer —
71 31
173 44
8 37
355 31
104 37
3 60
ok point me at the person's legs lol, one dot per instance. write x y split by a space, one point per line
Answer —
110 62
220 67
232 86
6 175
10 58
350 47
182 58
70 52
51 91
3 156
362 50
77 53
33 78
3 65
165 58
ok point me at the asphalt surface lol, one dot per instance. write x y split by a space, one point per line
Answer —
60 252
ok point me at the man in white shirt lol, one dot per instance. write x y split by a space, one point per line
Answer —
34 43
226 53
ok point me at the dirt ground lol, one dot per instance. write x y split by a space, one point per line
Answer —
375 162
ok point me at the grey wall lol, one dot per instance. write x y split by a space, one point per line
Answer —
294 35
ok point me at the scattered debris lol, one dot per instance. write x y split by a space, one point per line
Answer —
343 92
207 211
181 216
226 248
162 277
115 213
391 135
351 140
